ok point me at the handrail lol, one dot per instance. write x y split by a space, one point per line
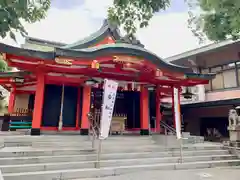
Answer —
93 127
166 126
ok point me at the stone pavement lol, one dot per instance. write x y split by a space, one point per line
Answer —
227 173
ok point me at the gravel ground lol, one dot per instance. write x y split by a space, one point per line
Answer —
199 174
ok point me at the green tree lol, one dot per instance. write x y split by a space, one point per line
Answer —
3 66
215 19
12 12
132 14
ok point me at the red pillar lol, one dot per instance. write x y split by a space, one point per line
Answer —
85 110
179 108
11 102
38 105
158 113
144 111
173 117
78 108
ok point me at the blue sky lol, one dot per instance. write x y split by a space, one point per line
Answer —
176 5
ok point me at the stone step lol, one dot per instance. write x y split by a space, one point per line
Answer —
67 138
112 171
75 144
28 151
105 163
114 145
48 158
117 146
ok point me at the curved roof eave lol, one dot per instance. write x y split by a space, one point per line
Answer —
95 37
4 48
90 53
208 76
14 74
120 48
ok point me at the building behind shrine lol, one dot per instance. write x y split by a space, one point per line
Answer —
210 106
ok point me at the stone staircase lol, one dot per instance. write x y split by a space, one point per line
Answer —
55 157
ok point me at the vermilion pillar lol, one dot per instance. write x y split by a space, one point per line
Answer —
144 111
12 99
38 105
85 109
158 113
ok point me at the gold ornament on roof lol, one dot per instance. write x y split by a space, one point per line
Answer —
127 59
63 61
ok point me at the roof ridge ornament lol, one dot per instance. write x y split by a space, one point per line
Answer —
130 39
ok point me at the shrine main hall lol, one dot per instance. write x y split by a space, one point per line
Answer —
58 84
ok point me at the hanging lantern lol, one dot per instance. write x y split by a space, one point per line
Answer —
187 94
133 86
138 88
95 64
91 82
158 73
125 87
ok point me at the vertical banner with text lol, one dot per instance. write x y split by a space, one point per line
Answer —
177 116
109 97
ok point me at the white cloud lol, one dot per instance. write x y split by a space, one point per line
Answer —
60 25
166 35
97 9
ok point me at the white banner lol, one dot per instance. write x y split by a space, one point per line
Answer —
109 97
177 115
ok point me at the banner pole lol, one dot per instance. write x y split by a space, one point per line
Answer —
99 154
93 141
109 98
177 117
181 152
1 176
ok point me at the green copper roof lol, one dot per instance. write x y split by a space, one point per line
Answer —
120 49
14 74
100 51
208 76
96 37
107 30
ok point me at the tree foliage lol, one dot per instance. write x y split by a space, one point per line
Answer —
132 14
216 19
12 12
3 66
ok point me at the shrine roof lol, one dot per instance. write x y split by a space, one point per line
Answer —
103 50
106 30
11 74
45 42
120 49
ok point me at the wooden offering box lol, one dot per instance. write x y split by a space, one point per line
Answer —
118 123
